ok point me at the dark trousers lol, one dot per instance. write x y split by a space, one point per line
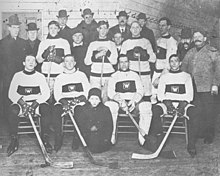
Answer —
156 124
13 118
205 115
57 119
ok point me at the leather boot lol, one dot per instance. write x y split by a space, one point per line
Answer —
13 147
47 145
58 142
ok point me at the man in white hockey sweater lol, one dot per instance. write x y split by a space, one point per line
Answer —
51 53
28 93
166 46
175 86
70 86
125 89
101 55
140 54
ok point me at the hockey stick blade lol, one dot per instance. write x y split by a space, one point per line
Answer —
164 154
48 161
158 151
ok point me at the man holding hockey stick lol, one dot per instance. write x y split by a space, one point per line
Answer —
174 87
28 92
70 88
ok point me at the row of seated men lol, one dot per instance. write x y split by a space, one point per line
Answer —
29 93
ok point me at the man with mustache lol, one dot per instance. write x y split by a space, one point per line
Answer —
122 27
203 63
185 43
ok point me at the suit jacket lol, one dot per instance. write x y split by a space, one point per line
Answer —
12 54
115 29
66 34
149 34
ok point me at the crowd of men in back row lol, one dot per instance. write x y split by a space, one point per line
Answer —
105 71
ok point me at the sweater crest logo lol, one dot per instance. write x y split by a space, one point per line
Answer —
71 88
175 89
126 85
28 90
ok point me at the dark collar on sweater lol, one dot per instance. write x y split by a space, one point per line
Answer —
166 36
51 37
175 71
28 73
137 37
106 39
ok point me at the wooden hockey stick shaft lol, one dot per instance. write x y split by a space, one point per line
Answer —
48 161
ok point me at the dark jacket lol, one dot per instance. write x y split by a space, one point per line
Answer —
32 50
89 31
66 33
87 117
12 54
149 34
115 29
79 53
181 51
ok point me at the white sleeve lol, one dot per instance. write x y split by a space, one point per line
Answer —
58 88
161 88
114 54
89 53
45 90
12 93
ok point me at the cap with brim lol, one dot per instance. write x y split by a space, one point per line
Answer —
87 12
62 13
13 20
32 27
75 31
122 13
141 16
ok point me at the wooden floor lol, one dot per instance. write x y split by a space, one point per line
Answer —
26 161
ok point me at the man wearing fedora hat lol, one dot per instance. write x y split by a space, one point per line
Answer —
121 27
65 31
146 32
12 53
88 26
32 43
185 43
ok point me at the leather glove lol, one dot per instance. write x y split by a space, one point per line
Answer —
170 107
33 107
66 105
139 51
181 107
48 51
24 106
131 105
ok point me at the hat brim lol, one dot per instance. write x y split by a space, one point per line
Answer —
9 24
123 16
62 16
87 14
32 29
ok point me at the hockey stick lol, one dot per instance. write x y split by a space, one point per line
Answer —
157 152
50 63
163 154
85 147
48 161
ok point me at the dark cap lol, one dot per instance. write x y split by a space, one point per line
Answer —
76 30
122 13
62 13
32 27
87 11
14 20
141 16
96 92
186 33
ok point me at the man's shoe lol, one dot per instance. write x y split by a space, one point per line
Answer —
13 147
47 145
192 152
58 142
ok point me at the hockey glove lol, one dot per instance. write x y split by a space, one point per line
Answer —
48 51
66 105
33 107
24 106
181 107
123 105
170 107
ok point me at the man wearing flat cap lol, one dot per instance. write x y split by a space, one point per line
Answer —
65 31
146 32
121 27
185 43
202 62
88 26
12 54
32 43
